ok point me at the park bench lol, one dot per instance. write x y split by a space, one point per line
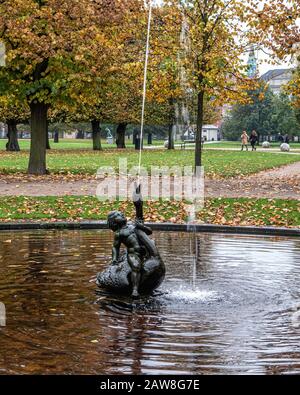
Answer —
185 142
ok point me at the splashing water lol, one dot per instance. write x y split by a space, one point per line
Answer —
191 227
192 296
295 318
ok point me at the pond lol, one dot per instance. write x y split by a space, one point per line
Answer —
233 310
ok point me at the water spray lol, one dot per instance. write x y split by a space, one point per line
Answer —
145 86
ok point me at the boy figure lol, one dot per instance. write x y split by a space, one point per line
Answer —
127 234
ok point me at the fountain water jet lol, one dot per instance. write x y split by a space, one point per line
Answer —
145 86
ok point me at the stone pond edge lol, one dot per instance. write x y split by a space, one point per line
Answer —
169 227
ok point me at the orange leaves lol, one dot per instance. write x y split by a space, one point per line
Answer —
237 212
293 88
217 43
275 26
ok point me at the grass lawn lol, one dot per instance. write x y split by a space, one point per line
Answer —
74 144
217 163
65 144
258 212
237 144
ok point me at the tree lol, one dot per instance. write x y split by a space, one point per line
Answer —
296 98
120 135
266 113
48 42
216 41
109 90
12 112
276 30
294 91
256 115
284 116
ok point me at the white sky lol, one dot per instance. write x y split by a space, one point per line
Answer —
264 66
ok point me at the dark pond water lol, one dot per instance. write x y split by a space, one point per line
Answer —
235 310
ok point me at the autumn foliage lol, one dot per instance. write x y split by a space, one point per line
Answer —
82 60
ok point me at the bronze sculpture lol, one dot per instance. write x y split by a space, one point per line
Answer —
140 270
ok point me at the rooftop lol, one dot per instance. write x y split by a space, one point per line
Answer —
269 75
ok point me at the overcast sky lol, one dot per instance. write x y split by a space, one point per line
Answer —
263 65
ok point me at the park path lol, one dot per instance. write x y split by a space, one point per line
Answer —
281 183
212 146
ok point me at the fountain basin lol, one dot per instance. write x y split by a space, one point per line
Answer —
233 311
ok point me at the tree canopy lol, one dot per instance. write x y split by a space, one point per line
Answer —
267 113
82 60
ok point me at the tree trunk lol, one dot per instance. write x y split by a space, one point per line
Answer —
80 135
47 136
171 124
171 137
198 148
96 129
12 134
37 160
135 135
56 137
120 140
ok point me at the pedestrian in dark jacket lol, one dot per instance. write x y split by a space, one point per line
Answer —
286 139
280 138
253 140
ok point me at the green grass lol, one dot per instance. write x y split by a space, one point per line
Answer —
237 144
257 212
217 163
76 208
80 144
65 144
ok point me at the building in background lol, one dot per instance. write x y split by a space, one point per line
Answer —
210 133
2 131
276 79
252 69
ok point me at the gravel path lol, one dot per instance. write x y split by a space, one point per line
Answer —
282 183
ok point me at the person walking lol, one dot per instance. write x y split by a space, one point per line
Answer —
253 139
286 139
280 138
244 139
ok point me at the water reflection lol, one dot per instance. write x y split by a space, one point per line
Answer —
241 317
